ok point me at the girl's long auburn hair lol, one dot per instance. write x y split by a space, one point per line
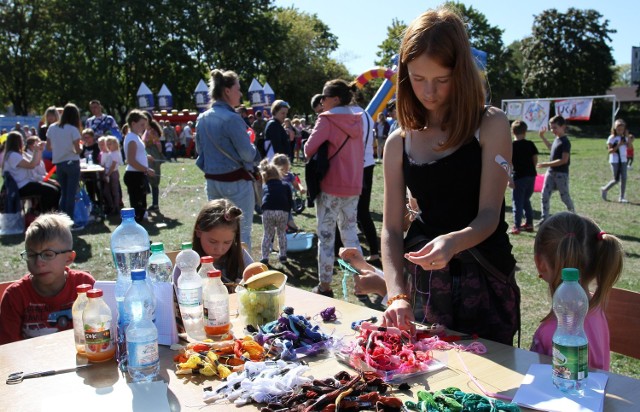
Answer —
441 35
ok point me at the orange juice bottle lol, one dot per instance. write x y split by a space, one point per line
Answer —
216 306
97 322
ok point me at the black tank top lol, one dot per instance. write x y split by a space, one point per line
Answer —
447 191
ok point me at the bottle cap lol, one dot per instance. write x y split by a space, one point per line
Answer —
127 213
157 247
214 273
83 288
94 293
206 259
570 274
138 274
186 245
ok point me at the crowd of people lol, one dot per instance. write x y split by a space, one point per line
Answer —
452 265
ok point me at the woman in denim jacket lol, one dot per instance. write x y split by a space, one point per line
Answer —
226 155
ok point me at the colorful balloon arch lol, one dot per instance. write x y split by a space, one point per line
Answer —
384 93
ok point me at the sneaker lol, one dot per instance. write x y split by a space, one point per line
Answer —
328 293
623 200
154 208
77 228
603 193
515 230
364 299
527 228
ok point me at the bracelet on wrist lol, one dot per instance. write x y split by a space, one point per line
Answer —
402 296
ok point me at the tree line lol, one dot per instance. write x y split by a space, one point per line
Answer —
56 51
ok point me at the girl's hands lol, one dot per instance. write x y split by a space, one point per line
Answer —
434 255
400 315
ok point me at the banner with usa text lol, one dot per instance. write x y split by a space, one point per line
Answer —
574 109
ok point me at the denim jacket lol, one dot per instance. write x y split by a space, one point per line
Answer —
224 126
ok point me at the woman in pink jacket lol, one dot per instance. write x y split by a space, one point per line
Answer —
337 202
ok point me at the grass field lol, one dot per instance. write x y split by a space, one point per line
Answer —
182 195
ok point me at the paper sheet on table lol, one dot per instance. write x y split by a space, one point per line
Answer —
537 391
165 317
148 396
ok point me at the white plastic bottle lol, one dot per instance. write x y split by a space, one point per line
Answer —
216 306
570 344
190 292
160 267
143 362
206 265
76 312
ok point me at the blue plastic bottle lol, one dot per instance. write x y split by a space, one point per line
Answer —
130 250
570 345
143 362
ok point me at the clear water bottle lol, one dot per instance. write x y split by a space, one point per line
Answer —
206 265
97 321
570 345
143 362
190 292
130 250
216 306
76 313
160 266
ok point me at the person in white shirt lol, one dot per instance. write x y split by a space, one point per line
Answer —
21 169
135 176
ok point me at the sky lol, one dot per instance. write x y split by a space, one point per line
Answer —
362 25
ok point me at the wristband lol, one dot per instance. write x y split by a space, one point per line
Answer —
402 296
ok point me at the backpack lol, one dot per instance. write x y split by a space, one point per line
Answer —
316 169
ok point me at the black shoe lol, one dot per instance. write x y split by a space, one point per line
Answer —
364 299
328 293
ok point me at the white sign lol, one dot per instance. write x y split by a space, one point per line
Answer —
574 109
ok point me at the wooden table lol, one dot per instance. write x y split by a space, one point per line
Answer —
500 370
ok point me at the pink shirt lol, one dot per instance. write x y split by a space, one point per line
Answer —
595 327
344 177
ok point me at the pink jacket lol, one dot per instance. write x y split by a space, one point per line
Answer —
344 177
595 327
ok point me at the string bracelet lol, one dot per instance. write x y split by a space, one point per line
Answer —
402 296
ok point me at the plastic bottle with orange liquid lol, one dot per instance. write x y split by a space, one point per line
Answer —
216 306
97 322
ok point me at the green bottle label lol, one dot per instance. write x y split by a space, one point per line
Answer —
570 362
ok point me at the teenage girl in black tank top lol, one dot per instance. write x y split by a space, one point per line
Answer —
458 180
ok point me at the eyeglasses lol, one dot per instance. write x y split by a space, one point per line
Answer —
45 255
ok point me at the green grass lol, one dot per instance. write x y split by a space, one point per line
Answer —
183 194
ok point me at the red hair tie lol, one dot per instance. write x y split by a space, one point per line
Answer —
601 235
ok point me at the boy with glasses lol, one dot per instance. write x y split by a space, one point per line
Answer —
40 302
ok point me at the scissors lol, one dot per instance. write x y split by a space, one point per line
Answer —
18 377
